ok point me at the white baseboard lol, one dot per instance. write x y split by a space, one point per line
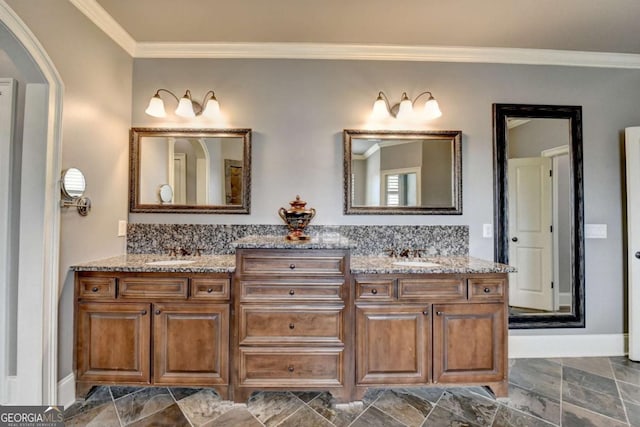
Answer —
565 298
67 391
523 346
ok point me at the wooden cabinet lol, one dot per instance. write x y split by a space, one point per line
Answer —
291 327
420 329
152 328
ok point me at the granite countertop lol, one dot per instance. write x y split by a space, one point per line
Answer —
448 264
359 264
329 241
139 263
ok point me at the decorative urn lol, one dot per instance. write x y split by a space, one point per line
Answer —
297 218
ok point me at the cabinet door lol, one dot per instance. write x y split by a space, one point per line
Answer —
393 344
113 342
191 343
469 343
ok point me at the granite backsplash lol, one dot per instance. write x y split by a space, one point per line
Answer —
434 240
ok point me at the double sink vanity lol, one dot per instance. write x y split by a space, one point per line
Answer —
281 315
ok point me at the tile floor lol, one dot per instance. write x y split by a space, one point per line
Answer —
577 392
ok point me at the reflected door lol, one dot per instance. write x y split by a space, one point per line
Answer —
530 237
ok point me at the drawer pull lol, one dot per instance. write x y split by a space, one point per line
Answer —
158 312
487 290
143 312
439 313
292 266
374 291
426 312
209 290
291 326
292 292
94 289
290 368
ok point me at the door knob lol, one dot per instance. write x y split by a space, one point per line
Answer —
514 239
638 254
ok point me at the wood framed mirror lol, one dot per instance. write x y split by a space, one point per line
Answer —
190 170
402 172
538 208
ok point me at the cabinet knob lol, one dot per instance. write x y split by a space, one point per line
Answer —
158 312
514 239
638 255
292 266
374 291
291 326
292 292
487 290
94 289
439 313
143 312
209 290
426 312
290 368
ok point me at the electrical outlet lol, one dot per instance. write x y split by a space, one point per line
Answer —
487 230
122 228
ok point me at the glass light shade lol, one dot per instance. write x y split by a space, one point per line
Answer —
405 110
379 111
432 109
212 109
185 108
156 107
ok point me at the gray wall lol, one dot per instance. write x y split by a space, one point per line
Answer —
298 109
96 119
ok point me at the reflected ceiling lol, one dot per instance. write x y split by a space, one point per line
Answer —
538 24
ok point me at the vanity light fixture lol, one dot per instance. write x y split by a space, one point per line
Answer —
403 110
187 107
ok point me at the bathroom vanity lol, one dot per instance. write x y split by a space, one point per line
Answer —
282 315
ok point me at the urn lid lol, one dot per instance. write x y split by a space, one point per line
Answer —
297 204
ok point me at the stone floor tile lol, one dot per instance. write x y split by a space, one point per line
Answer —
591 381
441 417
431 394
120 391
143 403
601 403
180 393
238 416
533 403
405 407
575 416
633 413
306 396
596 365
537 375
374 417
626 373
507 417
629 392
97 397
624 360
204 406
271 408
371 395
469 406
104 415
306 417
338 415
171 416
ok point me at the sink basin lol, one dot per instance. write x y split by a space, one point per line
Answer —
416 264
171 262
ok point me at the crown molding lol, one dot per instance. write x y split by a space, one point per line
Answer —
106 23
343 51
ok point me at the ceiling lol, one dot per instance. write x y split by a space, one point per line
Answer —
578 25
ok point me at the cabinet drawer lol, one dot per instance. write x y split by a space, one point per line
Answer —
374 290
97 287
301 367
486 289
290 291
153 288
442 289
293 264
283 324
209 288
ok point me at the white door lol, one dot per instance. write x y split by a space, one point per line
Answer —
530 237
632 136
180 178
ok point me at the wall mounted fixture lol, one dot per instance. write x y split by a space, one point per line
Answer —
403 110
72 186
187 107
